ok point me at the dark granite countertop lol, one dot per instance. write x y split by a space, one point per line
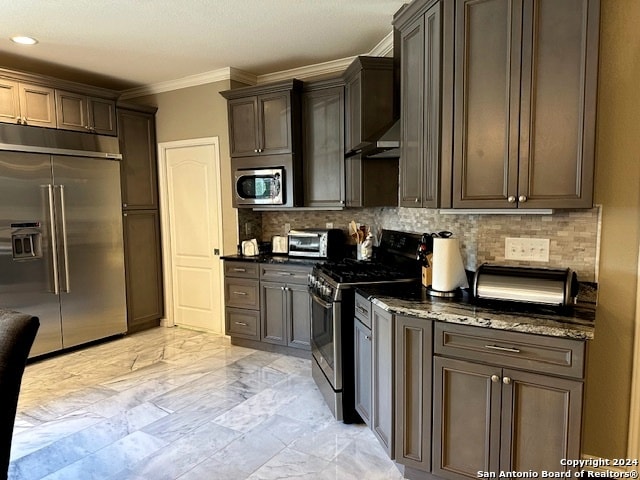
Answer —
273 259
577 322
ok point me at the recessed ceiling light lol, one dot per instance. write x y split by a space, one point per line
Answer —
24 40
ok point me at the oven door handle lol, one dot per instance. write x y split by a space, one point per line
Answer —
324 304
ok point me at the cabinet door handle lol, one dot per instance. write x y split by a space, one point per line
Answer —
362 310
240 293
242 324
506 380
495 378
522 198
511 199
367 337
502 349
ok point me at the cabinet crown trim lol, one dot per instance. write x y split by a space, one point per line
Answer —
293 84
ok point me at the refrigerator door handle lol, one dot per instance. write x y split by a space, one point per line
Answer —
54 243
65 249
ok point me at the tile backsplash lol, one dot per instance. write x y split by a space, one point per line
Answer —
572 234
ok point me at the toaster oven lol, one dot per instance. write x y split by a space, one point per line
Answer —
316 243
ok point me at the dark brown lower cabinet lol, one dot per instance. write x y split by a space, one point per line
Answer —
492 419
362 346
285 307
382 408
143 269
413 372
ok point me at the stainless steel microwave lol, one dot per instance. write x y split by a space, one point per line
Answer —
260 186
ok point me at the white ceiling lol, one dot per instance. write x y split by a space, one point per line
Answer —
123 44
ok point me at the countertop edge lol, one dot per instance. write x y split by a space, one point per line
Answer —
549 328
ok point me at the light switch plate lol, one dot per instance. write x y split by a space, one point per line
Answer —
531 249
329 225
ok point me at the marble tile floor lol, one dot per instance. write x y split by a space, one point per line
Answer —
172 403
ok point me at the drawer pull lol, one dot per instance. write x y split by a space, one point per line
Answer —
502 349
362 310
242 324
240 293
242 270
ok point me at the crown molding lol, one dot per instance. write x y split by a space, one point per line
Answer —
309 71
227 73
382 49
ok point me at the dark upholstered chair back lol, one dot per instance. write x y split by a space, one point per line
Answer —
17 332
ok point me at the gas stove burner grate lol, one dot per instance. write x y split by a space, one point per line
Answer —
351 271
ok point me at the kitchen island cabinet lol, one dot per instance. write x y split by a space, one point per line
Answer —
525 99
490 417
477 388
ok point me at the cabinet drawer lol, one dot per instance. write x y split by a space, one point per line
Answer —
537 353
242 293
241 269
285 274
242 323
362 310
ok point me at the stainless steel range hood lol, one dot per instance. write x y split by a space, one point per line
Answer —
387 145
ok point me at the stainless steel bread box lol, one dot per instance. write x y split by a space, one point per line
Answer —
547 286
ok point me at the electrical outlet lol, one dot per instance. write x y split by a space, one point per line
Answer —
287 228
328 225
531 249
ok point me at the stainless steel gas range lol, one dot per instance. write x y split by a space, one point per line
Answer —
332 286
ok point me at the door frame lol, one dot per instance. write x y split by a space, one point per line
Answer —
165 224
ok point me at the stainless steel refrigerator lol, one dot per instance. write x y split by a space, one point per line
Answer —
61 245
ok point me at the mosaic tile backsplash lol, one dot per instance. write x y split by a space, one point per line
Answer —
572 234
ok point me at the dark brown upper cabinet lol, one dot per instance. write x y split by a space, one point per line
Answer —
265 119
369 100
524 103
425 115
26 104
82 113
138 169
323 143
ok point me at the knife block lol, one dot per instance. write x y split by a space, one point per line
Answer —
427 272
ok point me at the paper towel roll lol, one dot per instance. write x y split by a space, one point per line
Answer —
448 270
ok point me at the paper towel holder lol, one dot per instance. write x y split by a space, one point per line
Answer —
439 293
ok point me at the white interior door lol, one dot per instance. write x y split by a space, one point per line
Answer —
192 233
